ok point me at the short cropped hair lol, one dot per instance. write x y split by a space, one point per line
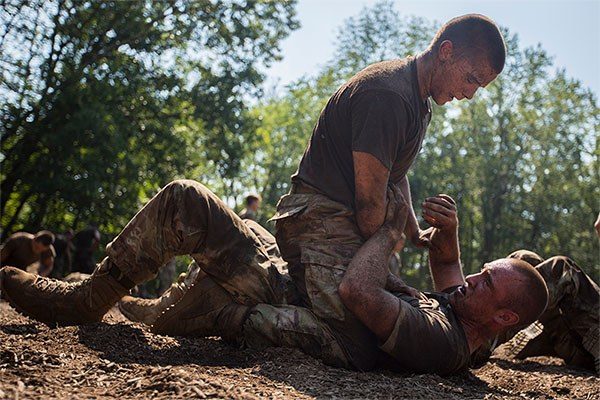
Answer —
533 297
44 237
251 198
474 33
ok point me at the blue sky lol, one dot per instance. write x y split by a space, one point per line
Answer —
568 30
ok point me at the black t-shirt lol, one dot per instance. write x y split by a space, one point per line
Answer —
378 111
427 336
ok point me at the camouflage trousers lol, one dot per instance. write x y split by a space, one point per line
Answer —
569 328
318 238
187 218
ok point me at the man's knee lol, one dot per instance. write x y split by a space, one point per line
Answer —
566 280
182 186
527 256
560 268
563 261
189 194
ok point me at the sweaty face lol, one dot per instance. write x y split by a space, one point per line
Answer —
459 78
481 297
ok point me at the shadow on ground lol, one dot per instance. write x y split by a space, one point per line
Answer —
124 343
117 358
531 365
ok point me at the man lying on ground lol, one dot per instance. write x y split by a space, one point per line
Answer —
486 305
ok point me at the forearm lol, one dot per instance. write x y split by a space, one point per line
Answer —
444 247
444 252
369 266
393 283
412 225
444 260
362 289
370 216
446 275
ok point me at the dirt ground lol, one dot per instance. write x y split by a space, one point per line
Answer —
117 358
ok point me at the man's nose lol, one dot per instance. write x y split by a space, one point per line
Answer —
470 279
473 279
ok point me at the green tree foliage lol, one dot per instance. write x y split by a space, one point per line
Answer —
378 33
282 131
105 101
521 158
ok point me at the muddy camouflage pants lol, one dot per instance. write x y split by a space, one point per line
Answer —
570 327
187 218
318 238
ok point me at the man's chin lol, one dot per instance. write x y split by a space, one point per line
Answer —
440 101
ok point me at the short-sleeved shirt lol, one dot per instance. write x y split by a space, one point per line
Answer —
428 336
18 251
378 111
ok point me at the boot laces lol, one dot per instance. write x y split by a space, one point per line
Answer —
53 286
140 302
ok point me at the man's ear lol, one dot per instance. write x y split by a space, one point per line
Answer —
506 317
446 50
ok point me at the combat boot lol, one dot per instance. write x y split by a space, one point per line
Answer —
55 302
205 309
141 310
147 310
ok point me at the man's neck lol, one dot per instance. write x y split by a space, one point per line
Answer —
474 333
424 73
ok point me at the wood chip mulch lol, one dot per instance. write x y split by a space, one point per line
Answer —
120 359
